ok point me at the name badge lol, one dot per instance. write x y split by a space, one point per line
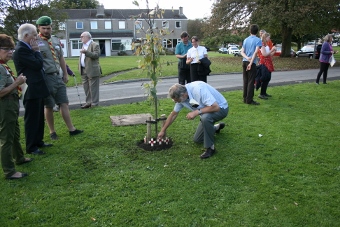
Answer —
41 43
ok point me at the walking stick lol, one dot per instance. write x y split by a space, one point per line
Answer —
70 73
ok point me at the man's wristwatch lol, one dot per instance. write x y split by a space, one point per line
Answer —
199 112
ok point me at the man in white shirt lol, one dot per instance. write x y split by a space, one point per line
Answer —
204 101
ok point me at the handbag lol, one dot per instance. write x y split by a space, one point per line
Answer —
183 64
332 60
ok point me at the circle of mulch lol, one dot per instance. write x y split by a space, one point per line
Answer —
155 147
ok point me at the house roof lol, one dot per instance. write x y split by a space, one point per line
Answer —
118 13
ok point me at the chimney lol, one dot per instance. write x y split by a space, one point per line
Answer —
100 11
181 11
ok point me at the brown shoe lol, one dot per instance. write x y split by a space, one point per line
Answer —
208 153
86 106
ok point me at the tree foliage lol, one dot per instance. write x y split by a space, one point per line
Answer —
78 4
17 12
286 18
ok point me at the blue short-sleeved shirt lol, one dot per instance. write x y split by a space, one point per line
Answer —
204 94
249 46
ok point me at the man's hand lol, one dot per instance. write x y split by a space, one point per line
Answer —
161 135
34 45
65 78
192 115
83 51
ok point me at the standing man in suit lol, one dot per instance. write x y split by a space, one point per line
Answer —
28 61
89 69
56 77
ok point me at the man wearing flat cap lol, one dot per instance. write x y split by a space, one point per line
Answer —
56 76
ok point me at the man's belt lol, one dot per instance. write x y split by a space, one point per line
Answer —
10 96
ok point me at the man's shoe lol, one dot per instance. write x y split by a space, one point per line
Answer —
22 175
208 153
262 97
46 145
87 105
27 160
221 126
254 103
54 136
267 95
36 152
75 132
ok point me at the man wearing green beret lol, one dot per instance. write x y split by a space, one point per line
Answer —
56 76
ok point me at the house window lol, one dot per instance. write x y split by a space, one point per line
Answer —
94 25
107 24
79 25
62 26
178 24
154 25
138 24
117 44
165 24
179 40
77 44
121 24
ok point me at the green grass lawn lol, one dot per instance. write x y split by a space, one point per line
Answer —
288 177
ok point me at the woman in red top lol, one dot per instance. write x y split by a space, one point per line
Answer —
266 54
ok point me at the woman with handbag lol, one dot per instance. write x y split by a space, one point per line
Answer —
265 54
325 57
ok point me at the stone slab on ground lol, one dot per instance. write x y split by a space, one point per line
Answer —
131 119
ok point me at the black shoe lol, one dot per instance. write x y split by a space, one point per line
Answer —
54 136
46 145
75 132
36 152
208 153
221 126
262 97
267 95
254 103
86 106
27 160
15 178
325 83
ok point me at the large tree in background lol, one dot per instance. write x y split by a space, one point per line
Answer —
78 4
16 12
287 18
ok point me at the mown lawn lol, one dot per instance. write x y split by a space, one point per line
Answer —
289 176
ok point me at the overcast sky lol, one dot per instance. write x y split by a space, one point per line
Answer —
192 9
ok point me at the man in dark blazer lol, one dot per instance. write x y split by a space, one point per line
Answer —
89 69
28 61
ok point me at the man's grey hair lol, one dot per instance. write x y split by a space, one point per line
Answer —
88 34
25 29
176 91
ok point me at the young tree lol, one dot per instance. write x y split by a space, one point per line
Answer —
151 48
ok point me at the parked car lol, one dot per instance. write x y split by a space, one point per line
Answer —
233 45
278 51
234 50
308 51
223 50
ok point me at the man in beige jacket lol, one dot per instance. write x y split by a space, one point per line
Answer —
89 69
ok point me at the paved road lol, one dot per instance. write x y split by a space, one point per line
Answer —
132 91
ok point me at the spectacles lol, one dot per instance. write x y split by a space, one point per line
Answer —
7 49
